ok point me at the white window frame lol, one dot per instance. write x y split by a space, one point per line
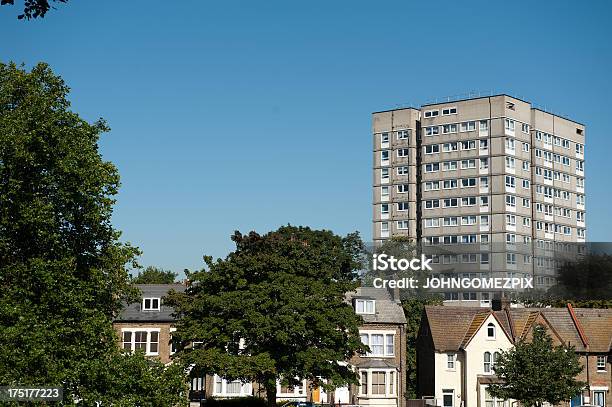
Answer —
364 310
148 331
151 299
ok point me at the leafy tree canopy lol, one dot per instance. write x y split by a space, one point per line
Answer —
274 309
536 372
63 271
155 275
33 8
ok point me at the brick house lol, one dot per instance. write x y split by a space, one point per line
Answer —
148 325
457 348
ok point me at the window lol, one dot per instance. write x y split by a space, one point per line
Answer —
144 338
389 345
384 138
525 128
402 135
364 382
448 147
510 258
450 361
433 167
450 184
384 174
402 206
173 342
402 188
468 145
402 224
381 344
402 170
403 152
599 398
384 155
468 126
378 383
432 131
237 388
487 362
510 163
449 128
431 113
432 149
483 125
365 306
468 182
525 183
510 181
449 110
491 330
468 164
525 165
451 203
484 163
510 200
448 398
384 192
150 304
510 144
384 209
449 165
601 363
510 125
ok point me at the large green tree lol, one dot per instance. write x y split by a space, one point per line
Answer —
63 270
274 309
155 275
536 372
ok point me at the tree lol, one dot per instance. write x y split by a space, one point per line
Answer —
274 310
586 282
63 270
155 275
536 372
33 8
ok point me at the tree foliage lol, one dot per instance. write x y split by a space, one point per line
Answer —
274 309
155 275
63 271
536 372
33 8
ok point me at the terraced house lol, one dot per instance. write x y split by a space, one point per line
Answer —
148 324
457 348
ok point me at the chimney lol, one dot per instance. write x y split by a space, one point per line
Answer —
500 303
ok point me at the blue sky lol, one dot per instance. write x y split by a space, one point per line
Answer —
253 114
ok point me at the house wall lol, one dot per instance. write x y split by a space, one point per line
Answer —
474 359
447 379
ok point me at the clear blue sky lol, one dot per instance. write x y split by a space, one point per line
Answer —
253 114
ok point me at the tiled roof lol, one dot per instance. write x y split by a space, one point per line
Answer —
518 324
134 313
597 326
387 310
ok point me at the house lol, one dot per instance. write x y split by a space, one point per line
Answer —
148 323
382 372
457 348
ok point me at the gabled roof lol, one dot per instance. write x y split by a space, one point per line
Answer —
453 327
387 311
134 313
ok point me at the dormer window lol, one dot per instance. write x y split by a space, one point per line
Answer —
491 331
364 306
150 304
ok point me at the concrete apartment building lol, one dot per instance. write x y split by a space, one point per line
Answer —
493 172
